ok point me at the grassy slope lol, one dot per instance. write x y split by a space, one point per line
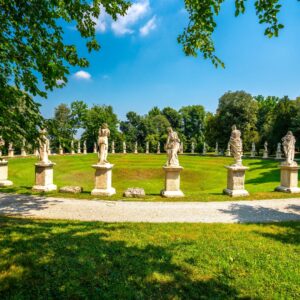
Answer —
77 260
203 178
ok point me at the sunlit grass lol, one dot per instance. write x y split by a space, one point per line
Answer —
203 178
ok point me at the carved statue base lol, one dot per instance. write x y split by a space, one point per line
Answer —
103 180
72 152
228 153
252 154
265 155
288 179
236 181
4 174
84 151
60 151
44 177
172 182
278 155
11 153
23 153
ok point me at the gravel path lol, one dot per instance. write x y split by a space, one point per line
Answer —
154 212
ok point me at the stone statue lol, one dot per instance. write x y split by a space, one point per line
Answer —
135 147
204 149
192 148
124 147
95 148
253 150
228 153
158 148
103 135
288 143
78 147
278 151
236 146
172 148
2 143
266 146
44 147
147 147
217 149
113 147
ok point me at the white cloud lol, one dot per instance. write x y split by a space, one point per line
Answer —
60 81
101 22
83 75
134 13
149 26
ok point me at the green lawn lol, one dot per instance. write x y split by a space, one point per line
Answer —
203 178
77 260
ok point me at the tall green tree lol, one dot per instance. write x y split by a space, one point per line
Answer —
240 109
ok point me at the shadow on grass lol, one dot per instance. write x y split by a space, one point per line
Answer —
15 204
253 214
79 261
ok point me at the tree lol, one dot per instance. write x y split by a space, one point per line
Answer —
174 117
20 116
95 117
193 118
240 109
197 36
32 39
79 111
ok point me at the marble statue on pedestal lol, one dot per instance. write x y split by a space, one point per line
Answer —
95 148
84 147
204 149
172 148
113 147
192 148
72 147
278 151
288 143
236 171
236 146
228 152
3 167
172 168
135 147
103 135
265 155
147 147
158 148
289 168
124 147
217 149
253 150
103 169
44 147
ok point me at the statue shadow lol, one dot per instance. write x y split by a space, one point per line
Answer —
83 261
17 204
244 213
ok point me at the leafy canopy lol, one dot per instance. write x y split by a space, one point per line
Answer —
32 43
197 36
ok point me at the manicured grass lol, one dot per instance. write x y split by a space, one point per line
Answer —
77 260
203 178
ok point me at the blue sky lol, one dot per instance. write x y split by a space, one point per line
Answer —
141 65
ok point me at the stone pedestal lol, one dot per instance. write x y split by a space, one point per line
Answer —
278 155
265 155
11 153
288 179
252 154
172 182
44 177
236 181
103 180
23 152
4 174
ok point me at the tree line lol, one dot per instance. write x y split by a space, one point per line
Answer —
259 118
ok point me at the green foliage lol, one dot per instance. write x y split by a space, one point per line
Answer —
197 36
32 39
20 116
240 109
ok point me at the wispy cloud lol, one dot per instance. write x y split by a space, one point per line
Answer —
149 26
101 22
82 75
135 13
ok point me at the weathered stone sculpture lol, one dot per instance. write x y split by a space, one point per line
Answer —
217 149
228 152
265 155
44 168
124 147
23 150
135 148
11 151
204 149
60 149
278 151
147 147
78 148
84 147
72 147
253 150
3 167
172 168
236 172
113 151
103 173
95 148
192 148
158 148
181 148
289 168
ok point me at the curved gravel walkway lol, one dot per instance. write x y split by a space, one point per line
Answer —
154 212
